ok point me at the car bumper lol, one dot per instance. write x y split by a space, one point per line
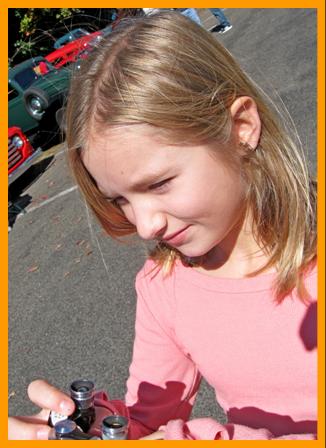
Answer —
24 166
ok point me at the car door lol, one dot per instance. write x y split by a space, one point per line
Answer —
17 113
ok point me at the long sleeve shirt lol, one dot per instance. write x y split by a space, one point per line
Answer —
259 356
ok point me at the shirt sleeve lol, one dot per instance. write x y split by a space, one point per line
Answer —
209 429
163 380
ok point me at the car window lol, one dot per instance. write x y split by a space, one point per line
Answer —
26 77
69 37
12 92
62 41
79 33
29 75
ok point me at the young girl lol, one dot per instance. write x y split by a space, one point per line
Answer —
167 137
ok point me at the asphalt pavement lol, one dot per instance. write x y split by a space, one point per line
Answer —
71 289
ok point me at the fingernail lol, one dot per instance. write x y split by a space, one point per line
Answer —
66 407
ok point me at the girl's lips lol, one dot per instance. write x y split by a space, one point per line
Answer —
176 238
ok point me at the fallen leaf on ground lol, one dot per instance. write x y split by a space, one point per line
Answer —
12 394
33 269
66 274
80 242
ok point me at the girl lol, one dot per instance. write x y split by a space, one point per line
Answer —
168 138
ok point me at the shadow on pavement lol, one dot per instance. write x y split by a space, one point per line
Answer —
17 200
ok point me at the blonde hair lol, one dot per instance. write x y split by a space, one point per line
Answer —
168 72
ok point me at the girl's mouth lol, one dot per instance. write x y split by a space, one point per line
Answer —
176 238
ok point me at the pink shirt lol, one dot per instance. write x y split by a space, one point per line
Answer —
260 357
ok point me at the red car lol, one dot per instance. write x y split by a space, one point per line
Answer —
21 153
69 53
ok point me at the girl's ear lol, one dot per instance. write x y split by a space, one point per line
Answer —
246 121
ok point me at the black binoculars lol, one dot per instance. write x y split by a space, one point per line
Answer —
77 425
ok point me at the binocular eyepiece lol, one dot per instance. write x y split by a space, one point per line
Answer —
115 427
82 392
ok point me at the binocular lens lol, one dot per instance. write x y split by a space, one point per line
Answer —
115 425
65 427
83 389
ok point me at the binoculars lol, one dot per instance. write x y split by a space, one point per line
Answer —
77 425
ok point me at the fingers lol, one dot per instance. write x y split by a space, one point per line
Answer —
21 430
47 396
158 435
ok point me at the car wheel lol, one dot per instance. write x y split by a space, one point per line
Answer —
36 102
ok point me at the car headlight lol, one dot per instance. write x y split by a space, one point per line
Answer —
17 141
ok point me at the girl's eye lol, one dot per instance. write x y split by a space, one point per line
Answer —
159 185
120 201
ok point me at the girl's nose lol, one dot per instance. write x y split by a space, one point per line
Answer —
150 224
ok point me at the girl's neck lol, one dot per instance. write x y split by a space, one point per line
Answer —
236 256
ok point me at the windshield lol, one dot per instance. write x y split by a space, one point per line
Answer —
79 33
73 35
29 75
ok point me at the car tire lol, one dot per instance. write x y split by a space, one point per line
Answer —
36 102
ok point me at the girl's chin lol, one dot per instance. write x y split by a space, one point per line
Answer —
193 252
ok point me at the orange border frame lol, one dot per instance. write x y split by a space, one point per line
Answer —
320 6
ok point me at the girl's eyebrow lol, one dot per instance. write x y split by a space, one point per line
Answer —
146 180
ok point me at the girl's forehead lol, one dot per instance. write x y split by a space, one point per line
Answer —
130 141
129 149
124 133
132 145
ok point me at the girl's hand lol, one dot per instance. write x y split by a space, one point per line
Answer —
157 435
35 427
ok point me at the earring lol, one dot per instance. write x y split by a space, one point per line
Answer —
247 146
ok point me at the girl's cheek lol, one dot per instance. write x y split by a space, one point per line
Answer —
187 203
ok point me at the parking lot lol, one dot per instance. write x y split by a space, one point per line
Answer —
71 289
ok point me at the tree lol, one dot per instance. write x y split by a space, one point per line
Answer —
32 31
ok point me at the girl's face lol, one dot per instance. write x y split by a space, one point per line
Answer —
184 195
